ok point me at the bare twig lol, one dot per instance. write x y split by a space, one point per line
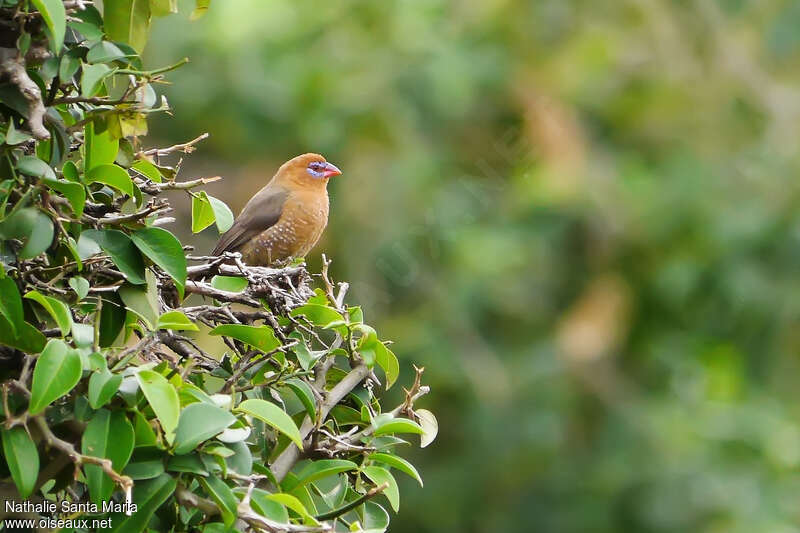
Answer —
186 147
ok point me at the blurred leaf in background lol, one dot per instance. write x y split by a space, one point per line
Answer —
582 217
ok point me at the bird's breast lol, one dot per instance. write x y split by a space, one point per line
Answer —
298 229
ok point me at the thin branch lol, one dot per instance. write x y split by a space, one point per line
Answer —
186 147
79 459
287 459
14 70
371 493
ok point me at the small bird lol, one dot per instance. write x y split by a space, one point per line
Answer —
286 218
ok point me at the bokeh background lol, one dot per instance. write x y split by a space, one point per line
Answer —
582 217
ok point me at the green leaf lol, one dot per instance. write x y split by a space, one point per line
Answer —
430 426
199 422
222 214
387 360
163 398
31 226
320 315
112 319
147 169
305 395
260 502
74 192
164 250
69 65
121 250
92 79
80 286
274 416
385 425
142 300
144 469
202 212
145 436
56 308
295 505
149 496
22 458
177 321
108 435
57 371
322 468
113 176
201 6
55 16
380 476
100 148
223 495
190 463
102 386
10 303
104 52
398 463
229 283
128 21
259 337
160 8
33 166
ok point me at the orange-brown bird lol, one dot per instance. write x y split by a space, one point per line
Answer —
286 218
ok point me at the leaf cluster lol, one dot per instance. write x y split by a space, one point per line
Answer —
108 391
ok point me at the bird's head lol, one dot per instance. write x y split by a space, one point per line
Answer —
308 170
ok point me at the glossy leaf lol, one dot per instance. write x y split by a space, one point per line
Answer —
319 315
163 398
164 250
100 148
57 371
92 79
398 463
128 21
121 250
109 435
305 395
147 169
202 212
33 166
387 360
199 422
260 337
379 476
229 283
102 386
55 16
22 458
388 425
295 505
222 214
271 414
223 496
430 426
73 192
104 52
149 496
113 176
80 286
56 308
175 320
319 469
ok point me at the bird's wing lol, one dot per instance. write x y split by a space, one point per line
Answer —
261 212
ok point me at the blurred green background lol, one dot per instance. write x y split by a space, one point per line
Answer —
582 217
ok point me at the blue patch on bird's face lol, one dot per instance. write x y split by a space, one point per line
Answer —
316 169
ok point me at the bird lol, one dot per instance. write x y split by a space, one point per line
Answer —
286 218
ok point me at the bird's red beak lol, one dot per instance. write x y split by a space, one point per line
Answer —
330 170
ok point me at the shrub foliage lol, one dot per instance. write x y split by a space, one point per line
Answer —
111 398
